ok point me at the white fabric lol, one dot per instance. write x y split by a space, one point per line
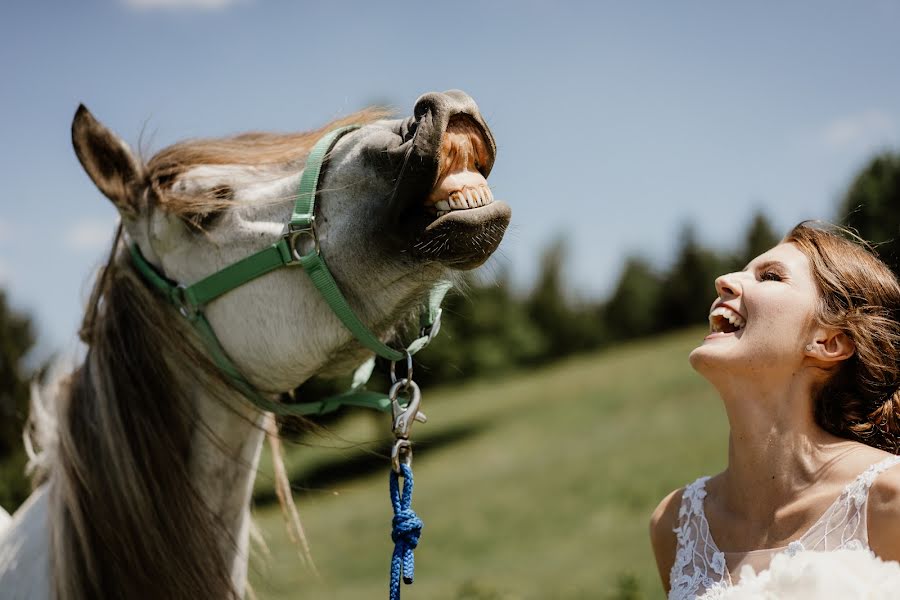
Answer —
25 572
701 569
837 575
4 519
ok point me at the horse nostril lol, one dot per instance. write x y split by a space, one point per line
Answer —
408 128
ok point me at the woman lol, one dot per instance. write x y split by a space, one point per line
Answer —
804 349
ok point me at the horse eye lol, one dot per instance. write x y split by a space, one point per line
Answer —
222 192
205 220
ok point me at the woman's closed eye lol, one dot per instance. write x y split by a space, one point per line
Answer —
770 275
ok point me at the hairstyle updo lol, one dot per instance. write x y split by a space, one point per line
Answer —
860 296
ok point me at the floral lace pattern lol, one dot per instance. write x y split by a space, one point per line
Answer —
700 568
699 564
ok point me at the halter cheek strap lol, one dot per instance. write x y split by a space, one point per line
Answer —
286 252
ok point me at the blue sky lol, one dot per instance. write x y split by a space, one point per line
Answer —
616 122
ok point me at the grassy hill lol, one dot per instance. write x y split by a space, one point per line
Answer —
536 486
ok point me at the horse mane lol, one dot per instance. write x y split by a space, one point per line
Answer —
115 434
257 149
126 521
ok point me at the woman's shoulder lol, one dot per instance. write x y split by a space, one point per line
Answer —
665 516
662 534
665 519
884 511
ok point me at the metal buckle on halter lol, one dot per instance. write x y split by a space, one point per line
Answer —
295 236
187 310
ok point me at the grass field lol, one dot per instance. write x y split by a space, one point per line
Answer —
536 486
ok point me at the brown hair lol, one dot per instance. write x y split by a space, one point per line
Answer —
126 519
860 296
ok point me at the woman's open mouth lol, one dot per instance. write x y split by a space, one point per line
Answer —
723 319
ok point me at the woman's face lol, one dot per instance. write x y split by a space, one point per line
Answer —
763 316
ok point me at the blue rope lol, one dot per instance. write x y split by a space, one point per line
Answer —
407 527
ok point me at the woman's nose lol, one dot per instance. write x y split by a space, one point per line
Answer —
728 286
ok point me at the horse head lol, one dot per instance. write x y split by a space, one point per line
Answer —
401 204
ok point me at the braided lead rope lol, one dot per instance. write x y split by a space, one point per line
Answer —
407 527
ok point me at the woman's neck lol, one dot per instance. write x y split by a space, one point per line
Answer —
775 446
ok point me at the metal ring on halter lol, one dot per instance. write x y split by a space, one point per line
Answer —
401 452
433 329
296 235
409 369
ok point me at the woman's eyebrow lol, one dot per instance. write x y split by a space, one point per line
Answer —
772 264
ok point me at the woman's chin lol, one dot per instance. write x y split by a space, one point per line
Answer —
712 353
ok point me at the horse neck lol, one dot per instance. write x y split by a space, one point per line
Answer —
224 456
152 480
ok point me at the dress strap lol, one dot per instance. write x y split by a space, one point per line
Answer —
865 479
692 500
699 565
843 526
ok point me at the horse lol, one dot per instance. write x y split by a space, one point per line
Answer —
145 454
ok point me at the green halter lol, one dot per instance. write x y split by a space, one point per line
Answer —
190 300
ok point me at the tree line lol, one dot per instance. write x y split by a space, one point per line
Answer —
490 328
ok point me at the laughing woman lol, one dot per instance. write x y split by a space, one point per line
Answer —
804 351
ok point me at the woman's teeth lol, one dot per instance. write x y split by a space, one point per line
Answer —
724 320
463 200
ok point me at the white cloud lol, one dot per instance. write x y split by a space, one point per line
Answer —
180 4
865 129
89 234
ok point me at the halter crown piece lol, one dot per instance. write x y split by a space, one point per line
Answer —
286 252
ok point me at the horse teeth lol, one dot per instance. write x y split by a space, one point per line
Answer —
464 199
458 201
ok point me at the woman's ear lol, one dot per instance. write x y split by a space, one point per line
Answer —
830 346
108 161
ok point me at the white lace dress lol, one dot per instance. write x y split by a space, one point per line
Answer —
701 568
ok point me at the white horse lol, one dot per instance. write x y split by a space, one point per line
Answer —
147 453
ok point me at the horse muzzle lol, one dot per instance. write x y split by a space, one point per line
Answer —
442 206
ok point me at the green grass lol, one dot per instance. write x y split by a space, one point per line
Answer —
537 486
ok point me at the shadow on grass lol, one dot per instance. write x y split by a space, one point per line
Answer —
370 460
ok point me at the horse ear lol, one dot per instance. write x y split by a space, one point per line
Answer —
108 161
